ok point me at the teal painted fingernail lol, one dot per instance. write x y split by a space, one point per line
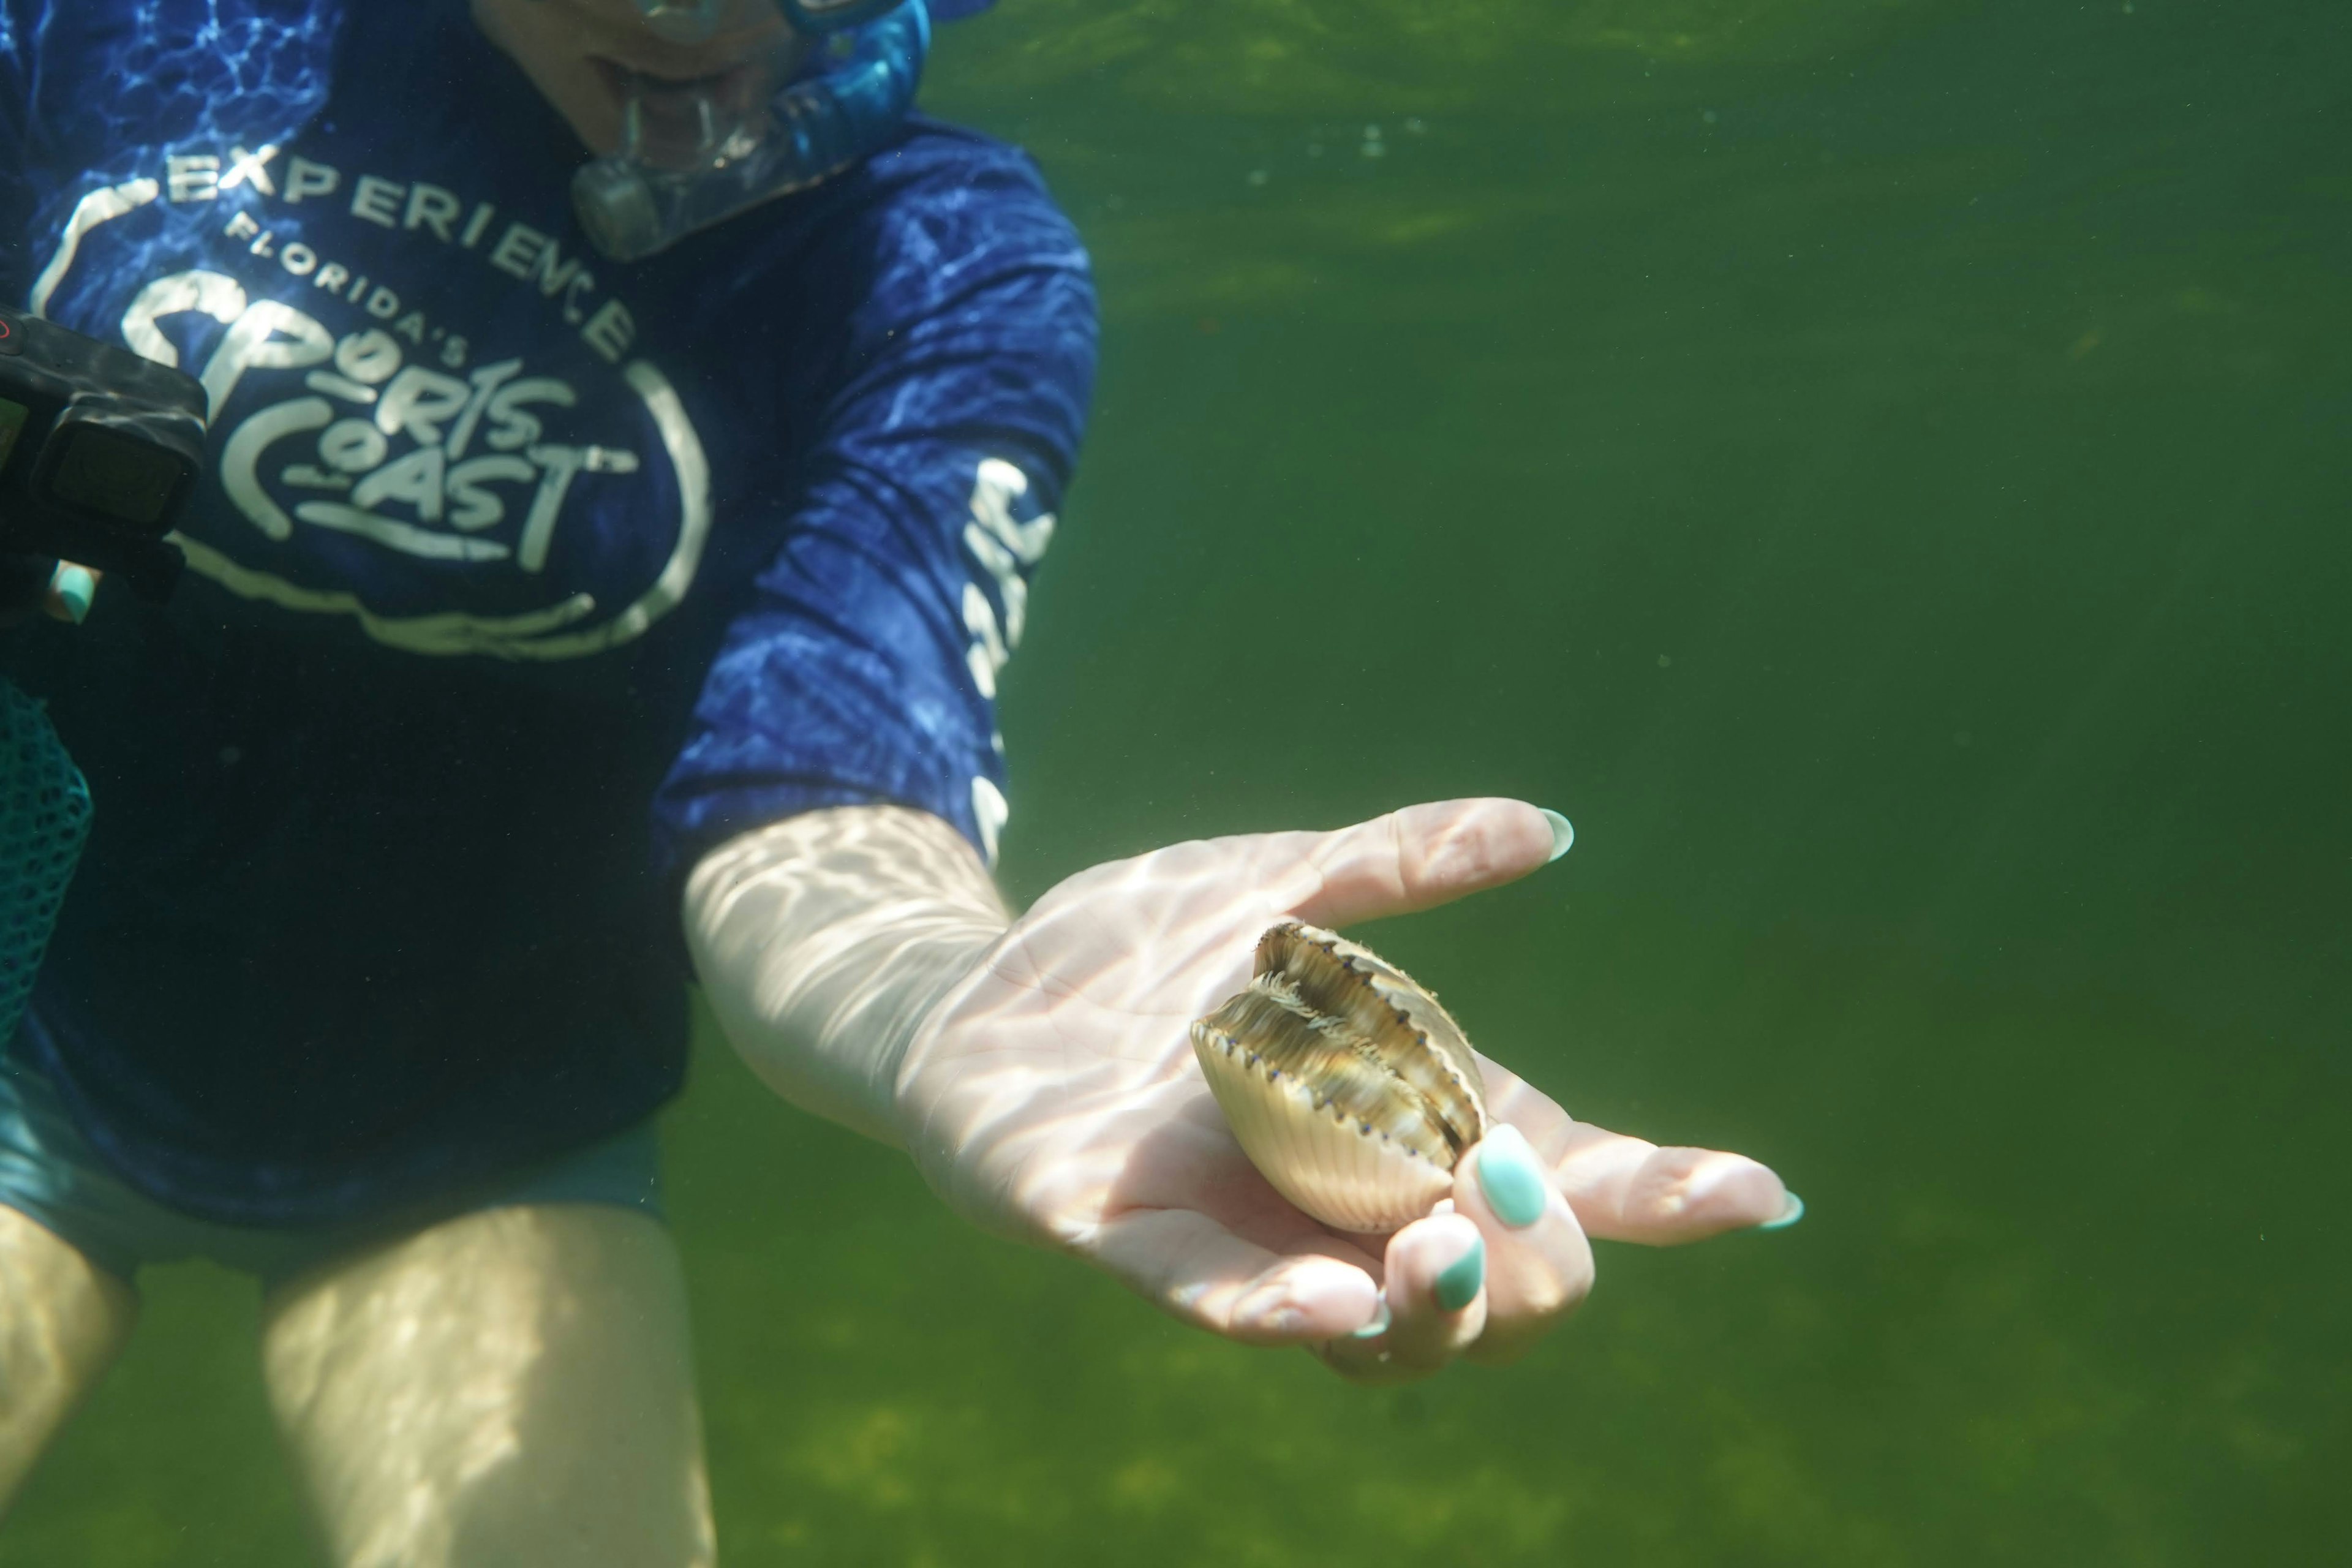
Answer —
1458 1281
1564 833
1789 1215
1510 1177
75 588
1377 1327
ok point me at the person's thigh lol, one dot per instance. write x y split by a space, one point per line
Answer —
63 1320
511 1387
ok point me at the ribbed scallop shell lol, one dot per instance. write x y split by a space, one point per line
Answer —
1345 1082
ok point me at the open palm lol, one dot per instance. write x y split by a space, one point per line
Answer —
1053 1097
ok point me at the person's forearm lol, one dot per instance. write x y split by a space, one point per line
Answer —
823 941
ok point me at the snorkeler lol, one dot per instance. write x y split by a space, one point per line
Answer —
591 538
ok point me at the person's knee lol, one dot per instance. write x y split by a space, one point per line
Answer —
511 1386
63 1320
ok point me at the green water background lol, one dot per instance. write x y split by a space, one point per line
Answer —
1881 466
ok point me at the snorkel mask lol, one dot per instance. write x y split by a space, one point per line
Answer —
696 153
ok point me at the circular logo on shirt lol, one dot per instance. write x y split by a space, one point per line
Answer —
379 463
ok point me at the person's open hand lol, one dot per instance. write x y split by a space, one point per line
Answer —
1052 1096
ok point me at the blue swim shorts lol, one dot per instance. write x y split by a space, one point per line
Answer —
50 1174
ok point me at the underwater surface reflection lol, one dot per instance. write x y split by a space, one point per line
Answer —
1880 468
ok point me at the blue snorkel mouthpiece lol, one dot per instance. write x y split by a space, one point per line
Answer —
634 204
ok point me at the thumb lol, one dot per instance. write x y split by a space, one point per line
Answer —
1421 856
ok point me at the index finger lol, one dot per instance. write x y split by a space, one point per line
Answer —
1630 1189
1415 858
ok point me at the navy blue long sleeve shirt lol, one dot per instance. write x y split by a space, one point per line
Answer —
520 577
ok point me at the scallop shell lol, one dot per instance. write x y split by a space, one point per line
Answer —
1345 1082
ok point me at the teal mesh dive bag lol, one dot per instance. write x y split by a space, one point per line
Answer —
44 818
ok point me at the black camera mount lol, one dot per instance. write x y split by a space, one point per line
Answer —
99 451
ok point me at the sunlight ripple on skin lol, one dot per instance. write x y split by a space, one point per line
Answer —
67 1320
1043 1077
530 1317
437 1436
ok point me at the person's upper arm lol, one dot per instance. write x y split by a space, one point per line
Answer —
865 667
